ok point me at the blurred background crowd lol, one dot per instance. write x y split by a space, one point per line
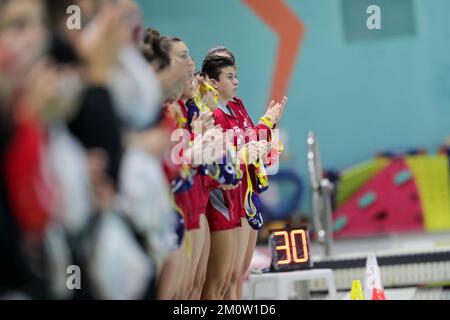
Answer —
72 101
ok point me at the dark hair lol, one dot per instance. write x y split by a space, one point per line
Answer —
212 65
217 49
156 48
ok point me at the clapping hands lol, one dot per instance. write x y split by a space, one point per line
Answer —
275 111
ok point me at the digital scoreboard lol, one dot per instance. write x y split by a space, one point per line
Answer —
290 249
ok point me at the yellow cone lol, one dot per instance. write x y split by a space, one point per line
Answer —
357 292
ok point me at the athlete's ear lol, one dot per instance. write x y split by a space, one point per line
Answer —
214 83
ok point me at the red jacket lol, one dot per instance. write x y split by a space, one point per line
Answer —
237 119
29 192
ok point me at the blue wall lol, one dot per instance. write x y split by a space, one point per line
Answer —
359 97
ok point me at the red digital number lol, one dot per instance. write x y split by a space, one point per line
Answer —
290 243
303 243
286 247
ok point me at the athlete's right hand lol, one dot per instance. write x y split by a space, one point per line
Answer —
249 152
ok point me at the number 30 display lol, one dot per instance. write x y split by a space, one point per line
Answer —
290 250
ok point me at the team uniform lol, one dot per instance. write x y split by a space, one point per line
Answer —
235 117
221 210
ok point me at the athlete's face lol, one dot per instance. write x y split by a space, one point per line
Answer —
190 85
23 29
227 85
179 53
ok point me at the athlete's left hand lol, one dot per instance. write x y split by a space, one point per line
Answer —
275 110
